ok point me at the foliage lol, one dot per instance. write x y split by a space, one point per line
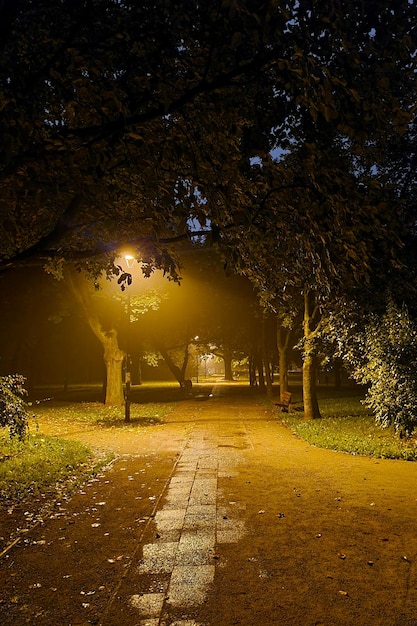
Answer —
13 410
389 364
347 426
379 347
120 120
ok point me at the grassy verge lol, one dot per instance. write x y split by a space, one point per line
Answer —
96 413
47 463
347 426
39 463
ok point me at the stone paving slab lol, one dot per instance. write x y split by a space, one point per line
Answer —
193 512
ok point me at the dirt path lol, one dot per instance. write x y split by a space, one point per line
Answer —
220 517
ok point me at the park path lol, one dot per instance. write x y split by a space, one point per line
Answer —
218 517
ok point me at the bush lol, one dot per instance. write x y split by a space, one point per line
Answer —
389 369
13 411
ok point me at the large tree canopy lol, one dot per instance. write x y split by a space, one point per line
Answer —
121 120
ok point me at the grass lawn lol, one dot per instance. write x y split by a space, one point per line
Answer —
44 462
38 463
348 426
96 413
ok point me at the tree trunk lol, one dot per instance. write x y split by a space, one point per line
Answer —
252 371
260 368
268 378
311 406
139 372
227 358
178 372
283 372
113 356
337 374
113 360
264 353
283 337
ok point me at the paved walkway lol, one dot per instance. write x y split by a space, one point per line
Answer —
192 522
222 517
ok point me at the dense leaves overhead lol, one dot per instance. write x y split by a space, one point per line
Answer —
120 120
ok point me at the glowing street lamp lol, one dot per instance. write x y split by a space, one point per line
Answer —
130 260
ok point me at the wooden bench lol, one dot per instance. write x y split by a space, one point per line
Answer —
285 403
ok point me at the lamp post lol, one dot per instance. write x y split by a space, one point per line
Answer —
129 262
197 360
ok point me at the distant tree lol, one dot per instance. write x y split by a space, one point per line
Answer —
229 314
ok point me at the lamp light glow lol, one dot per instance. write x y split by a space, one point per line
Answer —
130 260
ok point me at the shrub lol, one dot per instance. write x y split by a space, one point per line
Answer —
13 411
389 369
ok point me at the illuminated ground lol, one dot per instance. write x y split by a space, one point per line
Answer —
218 517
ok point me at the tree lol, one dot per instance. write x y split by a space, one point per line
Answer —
111 314
119 120
322 211
106 333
